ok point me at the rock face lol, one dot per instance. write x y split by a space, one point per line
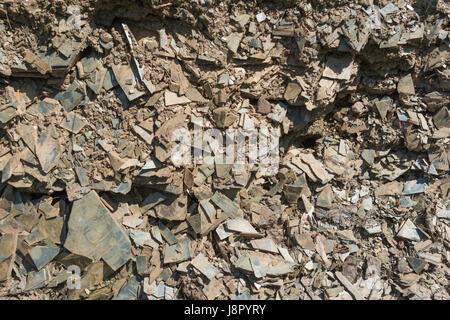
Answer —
225 149
93 233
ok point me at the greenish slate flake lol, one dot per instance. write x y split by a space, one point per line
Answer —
178 252
264 245
73 122
206 59
89 64
110 80
152 200
207 169
369 156
53 228
95 81
142 238
167 234
72 97
223 170
325 198
209 209
34 236
166 274
243 263
6 246
130 291
7 114
37 279
414 186
195 221
201 263
123 188
194 95
417 264
281 268
42 255
229 207
141 265
93 233
442 118
383 106
257 267
243 296
256 43
82 176
223 79
388 10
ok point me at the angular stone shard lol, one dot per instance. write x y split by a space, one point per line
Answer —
8 246
406 86
243 227
171 99
266 244
127 79
202 264
42 255
178 252
93 233
224 203
47 151
233 41
409 231
340 68
72 97
73 122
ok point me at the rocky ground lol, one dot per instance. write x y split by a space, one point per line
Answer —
93 206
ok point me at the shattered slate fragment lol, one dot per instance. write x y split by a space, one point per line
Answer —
201 263
409 231
47 151
93 233
73 122
339 68
72 97
233 41
126 77
42 255
414 186
406 86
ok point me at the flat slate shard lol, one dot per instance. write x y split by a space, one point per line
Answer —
243 227
72 97
233 41
171 98
409 231
42 255
414 186
8 246
73 122
152 200
264 245
282 268
130 291
47 151
201 263
340 68
37 279
93 233
224 203
177 252
127 79
257 267
406 86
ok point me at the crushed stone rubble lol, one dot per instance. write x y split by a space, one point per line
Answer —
94 206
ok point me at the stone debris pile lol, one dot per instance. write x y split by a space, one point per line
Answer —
94 205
